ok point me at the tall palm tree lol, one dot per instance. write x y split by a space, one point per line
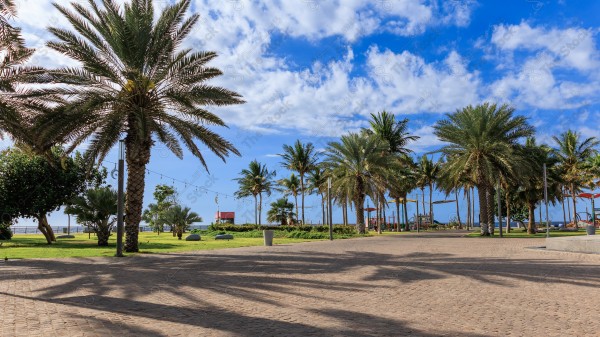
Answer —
356 162
282 211
317 183
402 181
300 158
15 113
428 172
136 81
385 125
97 209
572 153
254 181
291 186
181 218
482 142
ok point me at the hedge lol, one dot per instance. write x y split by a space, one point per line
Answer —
337 229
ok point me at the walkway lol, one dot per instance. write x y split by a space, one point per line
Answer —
426 285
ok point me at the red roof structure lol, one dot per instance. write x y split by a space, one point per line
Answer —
589 195
225 215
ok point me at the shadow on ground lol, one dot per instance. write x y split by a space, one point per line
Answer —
248 277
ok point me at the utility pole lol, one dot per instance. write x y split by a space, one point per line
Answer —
120 199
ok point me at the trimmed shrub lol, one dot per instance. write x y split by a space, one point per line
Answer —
5 232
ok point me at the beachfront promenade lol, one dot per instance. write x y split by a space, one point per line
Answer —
430 285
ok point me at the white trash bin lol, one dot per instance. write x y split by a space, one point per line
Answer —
268 235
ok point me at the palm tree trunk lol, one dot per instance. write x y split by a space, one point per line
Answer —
302 192
398 215
404 204
568 209
323 208
255 210
472 207
137 156
457 209
360 213
574 197
507 197
483 210
431 203
531 225
562 201
259 209
297 214
383 215
490 210
540 213
468 193
103 233
423 203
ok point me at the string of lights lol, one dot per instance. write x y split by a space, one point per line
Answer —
185 183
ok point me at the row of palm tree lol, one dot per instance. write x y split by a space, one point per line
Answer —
135 82
488 149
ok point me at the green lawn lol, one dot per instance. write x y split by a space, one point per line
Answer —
518 233
24 246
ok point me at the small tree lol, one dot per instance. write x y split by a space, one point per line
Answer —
282 211
181 218
97 209
165 197
31 186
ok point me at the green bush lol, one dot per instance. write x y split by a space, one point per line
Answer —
5 232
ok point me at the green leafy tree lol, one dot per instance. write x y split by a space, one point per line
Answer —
165 197
357 161
181 218
300 158
291 186
96 209
254 181
573 152
136 82
282 212
482 141
31 186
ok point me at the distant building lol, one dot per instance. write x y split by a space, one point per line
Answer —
225 217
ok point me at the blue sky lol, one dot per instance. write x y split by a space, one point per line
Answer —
314 70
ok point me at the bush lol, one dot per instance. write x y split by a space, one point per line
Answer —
232 228
5 232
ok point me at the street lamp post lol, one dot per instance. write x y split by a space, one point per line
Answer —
499 210
418 219
120 199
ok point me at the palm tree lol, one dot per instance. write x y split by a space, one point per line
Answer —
281 211
531 189
137 82
572 154
482 142
301 158
317 183
181 218
254 181
15 113
428 172
356 162
385 125
291 186
97 209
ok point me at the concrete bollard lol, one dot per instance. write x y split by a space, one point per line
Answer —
268 236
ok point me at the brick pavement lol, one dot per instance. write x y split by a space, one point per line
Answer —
422 285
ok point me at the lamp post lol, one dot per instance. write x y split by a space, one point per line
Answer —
329 217
120 199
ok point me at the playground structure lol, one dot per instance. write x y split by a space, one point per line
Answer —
594 217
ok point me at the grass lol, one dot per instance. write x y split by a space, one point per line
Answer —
27 246
519 233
